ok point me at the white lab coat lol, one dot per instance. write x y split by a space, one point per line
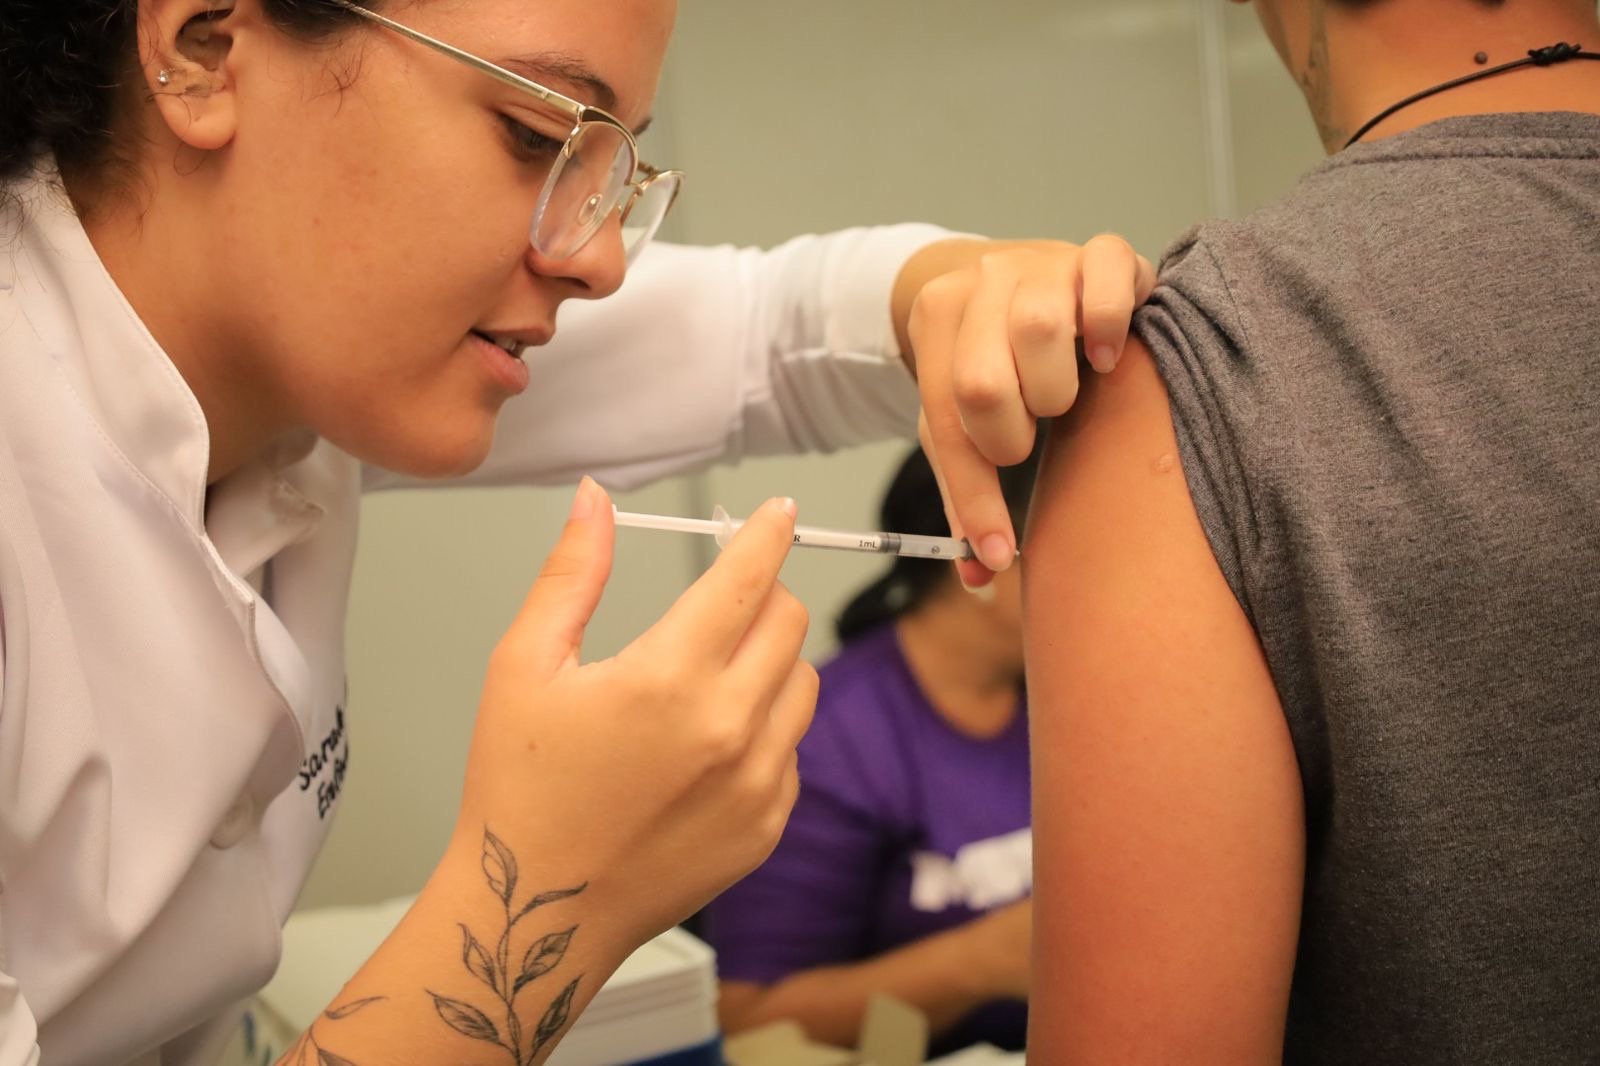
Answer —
172 726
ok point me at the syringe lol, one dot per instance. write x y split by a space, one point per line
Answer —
722 526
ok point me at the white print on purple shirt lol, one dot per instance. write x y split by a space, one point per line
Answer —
983 875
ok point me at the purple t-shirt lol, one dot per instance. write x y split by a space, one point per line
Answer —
904 827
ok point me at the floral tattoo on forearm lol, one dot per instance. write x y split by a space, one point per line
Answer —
542 955
307 1046
504 1028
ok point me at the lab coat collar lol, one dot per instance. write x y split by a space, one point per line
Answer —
116 367
257 511
133 389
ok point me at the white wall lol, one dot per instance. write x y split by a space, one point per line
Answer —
1006 117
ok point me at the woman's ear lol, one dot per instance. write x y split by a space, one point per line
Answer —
184 49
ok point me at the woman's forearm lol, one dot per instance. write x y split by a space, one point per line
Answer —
491 964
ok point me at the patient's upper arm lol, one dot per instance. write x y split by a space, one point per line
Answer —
1167 806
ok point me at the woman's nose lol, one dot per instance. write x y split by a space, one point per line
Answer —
597 268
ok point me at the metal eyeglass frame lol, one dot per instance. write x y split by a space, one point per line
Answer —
580 113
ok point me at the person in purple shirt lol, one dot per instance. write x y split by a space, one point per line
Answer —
906 867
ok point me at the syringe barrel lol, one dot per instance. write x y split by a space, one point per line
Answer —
912 544
723 527
921 547
839 539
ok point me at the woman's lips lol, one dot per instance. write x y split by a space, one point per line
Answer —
506 370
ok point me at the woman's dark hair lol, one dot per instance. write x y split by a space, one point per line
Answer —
912 505
64 62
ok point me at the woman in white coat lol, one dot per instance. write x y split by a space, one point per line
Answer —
258 254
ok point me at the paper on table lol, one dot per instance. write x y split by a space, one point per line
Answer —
981 1055
894 1034
782 1044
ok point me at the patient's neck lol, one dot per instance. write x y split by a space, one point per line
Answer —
1374 56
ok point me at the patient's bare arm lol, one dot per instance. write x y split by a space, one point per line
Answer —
1168 827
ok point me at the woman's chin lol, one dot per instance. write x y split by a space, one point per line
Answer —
437 457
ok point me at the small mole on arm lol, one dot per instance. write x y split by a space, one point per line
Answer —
1165 463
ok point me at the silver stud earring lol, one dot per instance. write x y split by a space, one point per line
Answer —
164 78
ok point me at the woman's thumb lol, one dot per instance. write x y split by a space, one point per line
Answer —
548 630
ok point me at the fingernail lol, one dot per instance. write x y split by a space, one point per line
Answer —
583 501
1104 358
996 552
984 593
788 506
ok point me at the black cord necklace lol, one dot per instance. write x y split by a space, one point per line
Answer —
1537 57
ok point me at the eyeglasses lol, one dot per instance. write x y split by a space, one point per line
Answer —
598 170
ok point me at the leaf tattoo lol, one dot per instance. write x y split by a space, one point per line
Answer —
545 955
514 1031
336 1013
308 1039
477 960
549 897
541 956
500 866
465 1019
555 1017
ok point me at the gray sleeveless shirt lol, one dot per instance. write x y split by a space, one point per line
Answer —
1386 390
